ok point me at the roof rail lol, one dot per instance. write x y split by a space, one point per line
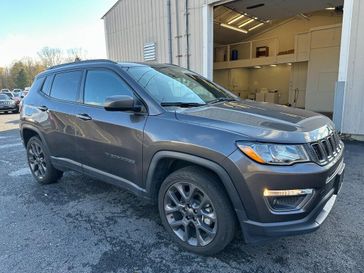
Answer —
82 62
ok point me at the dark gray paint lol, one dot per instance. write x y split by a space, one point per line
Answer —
125 148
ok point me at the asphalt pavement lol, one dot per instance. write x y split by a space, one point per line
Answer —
83 225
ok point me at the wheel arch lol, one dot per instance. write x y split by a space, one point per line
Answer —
28 131
162 161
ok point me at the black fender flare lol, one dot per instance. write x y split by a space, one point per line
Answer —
36 130
208 164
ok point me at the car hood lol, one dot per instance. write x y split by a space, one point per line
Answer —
260 121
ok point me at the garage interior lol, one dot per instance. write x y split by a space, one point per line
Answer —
278 51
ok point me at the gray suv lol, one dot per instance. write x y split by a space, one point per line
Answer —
212 162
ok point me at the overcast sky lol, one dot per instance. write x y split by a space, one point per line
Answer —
28 25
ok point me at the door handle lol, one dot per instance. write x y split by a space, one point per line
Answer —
43 108
84 117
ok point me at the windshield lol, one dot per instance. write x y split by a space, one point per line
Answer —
173 85
4 97
8 94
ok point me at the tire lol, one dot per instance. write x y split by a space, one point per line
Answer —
203 210
40 163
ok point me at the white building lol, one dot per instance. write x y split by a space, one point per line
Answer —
307 54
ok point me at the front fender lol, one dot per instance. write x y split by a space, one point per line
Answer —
151 186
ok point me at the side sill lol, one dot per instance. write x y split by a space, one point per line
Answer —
68 164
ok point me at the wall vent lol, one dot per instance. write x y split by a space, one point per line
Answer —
150 52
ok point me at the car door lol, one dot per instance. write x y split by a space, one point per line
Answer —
110 143
61 126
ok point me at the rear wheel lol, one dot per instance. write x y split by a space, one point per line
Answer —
40 163
196 211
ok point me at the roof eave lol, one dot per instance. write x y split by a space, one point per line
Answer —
113 6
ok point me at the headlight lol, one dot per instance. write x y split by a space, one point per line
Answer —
277 154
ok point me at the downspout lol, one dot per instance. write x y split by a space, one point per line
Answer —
187 35
178 37
169 18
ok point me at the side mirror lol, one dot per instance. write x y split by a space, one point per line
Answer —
22 97
122 103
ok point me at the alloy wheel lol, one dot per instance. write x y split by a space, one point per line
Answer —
190 214
36 160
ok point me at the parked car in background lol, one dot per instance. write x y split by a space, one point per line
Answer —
7 104
4 90
17 90
24 94
8 93
210 160
18 97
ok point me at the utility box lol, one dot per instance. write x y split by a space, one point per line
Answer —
272 97
260 96
262 51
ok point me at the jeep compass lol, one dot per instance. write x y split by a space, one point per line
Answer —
212 162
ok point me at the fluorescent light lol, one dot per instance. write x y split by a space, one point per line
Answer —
235 19
273 65
257 66
289 63
246 23
330 8
259 25
234 28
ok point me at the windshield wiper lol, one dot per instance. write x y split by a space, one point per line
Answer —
222 99
182 104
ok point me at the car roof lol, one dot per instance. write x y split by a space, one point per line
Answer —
80 64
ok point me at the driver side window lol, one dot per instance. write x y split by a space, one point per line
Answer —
101 84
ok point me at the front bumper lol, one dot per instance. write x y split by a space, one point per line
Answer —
4 108
259 222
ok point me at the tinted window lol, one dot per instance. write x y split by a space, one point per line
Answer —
46 89
65 85
101 84
37 84
10 95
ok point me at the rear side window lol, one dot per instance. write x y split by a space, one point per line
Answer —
66 85
37 84
101 84
46 88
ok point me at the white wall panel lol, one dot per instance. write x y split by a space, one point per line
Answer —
132 23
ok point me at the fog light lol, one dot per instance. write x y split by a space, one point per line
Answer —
287 200
287 192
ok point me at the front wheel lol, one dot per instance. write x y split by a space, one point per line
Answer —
40 163
196 211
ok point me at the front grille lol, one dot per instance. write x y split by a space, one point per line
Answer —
325 150
5 103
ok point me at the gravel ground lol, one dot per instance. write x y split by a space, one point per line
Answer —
83 225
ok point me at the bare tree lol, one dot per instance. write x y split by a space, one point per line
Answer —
76 54
51 56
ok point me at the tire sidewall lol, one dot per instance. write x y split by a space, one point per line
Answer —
47 176
221 238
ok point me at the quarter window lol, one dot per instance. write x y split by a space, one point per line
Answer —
37 84
101 84
66 85
46 89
